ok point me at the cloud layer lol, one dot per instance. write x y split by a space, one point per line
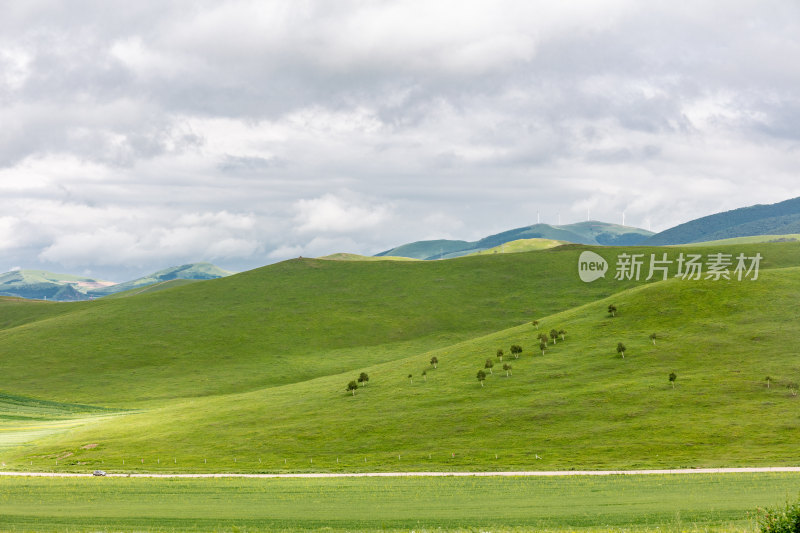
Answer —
244 132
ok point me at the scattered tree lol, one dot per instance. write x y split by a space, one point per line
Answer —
507 368
792 388
543 346
535 324
489 364
653 338
500 354
542 337
553 335
612 310
363 378
562 333
352 386
767 379
481 376
434 362
425 375
516 349
672 377
411 378
621 349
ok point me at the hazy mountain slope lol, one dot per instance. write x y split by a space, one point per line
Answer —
192 271
43 285
590 232
773 219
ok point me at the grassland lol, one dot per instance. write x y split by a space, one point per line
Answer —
522 245
695 502
579 405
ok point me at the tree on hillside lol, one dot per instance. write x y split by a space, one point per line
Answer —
563 334
434 362
363 378
553 335
767 379
516 349
542 346
507 368
535 324
489 364
653 338
481 376
500 354
672 377
542 337
411 378
425 375
352 386
612 310
621 349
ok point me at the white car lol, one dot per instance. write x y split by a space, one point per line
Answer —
99 473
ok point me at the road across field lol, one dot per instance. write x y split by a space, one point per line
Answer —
534 473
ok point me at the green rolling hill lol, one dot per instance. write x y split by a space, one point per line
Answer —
590 232
253 367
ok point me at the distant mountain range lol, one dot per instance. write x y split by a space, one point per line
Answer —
589 232
773 219
43 285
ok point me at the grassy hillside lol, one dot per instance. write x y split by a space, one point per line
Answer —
579 405
521 245
282 324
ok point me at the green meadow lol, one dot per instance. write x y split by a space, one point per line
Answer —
696 502
248 374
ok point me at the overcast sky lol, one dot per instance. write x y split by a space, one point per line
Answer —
140 135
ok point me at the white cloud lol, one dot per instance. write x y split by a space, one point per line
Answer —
333 214
250 131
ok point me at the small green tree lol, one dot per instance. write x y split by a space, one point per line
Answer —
563 334
516 349
653 338
543 337
411 378
500 354
535 324
425 375
767 379
353 386
481 376
672 377
553 335
621 349
543 346
612 310
434 362
363 378
507 368
489 364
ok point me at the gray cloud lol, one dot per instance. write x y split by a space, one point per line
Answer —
133 134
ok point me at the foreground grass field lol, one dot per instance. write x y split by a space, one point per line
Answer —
694 502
